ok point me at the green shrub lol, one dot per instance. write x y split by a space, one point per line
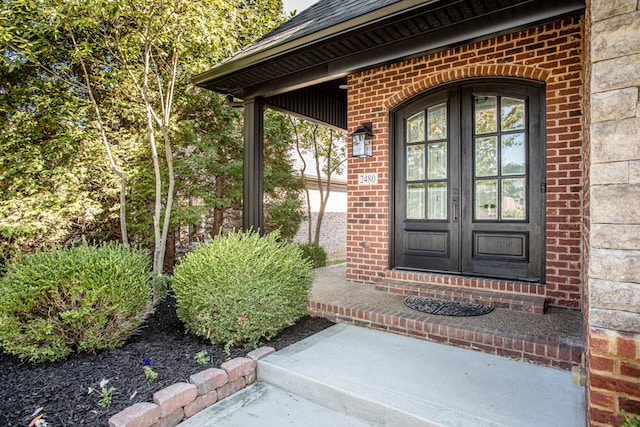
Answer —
315 253
630 421
84 298
241 288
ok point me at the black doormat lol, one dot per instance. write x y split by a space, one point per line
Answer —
445 307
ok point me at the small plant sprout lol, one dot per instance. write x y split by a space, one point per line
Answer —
105 392
149 373
202 357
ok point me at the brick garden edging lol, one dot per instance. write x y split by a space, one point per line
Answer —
173 404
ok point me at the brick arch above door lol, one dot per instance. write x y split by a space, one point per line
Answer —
475 71
552 53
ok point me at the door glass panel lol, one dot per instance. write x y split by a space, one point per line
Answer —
437 160
437 122
415 128
415 201
486 160
466 189
437 200
486 114
415 162
512 114
486 197
513 154
514 199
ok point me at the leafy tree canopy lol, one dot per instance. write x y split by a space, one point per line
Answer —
54 175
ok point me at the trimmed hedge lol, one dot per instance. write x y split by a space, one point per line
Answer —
84 298
315 253
242 287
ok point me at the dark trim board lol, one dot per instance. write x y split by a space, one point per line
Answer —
396 31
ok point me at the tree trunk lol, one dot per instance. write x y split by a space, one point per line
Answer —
107 146
172 183
170 254
158 249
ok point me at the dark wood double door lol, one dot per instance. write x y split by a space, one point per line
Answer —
469 176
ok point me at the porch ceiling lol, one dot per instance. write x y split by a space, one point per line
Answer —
318 48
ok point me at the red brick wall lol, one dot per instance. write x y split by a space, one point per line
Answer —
614 376
552 53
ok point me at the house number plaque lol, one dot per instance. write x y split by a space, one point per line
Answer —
367 179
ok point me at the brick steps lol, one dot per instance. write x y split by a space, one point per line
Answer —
498 299
554 351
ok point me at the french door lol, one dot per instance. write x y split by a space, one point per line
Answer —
469 181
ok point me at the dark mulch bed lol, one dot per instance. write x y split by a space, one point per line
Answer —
60 388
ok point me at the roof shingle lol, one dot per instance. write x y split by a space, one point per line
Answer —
319 16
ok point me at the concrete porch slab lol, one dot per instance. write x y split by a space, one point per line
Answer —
553 339
381 379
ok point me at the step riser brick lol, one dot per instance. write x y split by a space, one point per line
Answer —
538 350
498 299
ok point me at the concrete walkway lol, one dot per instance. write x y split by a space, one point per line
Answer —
352 376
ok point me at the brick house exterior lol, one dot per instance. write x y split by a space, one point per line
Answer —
584 61
551 53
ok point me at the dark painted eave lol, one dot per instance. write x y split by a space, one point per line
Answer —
250 73
272 51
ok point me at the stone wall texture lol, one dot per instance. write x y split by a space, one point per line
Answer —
552 53
614 257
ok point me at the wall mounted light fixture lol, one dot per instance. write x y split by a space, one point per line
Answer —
362 141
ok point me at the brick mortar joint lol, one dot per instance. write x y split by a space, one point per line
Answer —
252 375
565 73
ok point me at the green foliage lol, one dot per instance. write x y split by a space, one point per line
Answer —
84 298
202 357
630 421
106 393
242 287
314 253
284 216
282 189
208 162
150 374
55 179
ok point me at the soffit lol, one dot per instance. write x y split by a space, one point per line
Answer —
354 35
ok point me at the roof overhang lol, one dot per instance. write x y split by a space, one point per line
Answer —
401 30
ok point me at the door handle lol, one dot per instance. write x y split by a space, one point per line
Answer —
454 205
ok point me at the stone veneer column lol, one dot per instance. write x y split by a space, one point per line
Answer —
613 325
